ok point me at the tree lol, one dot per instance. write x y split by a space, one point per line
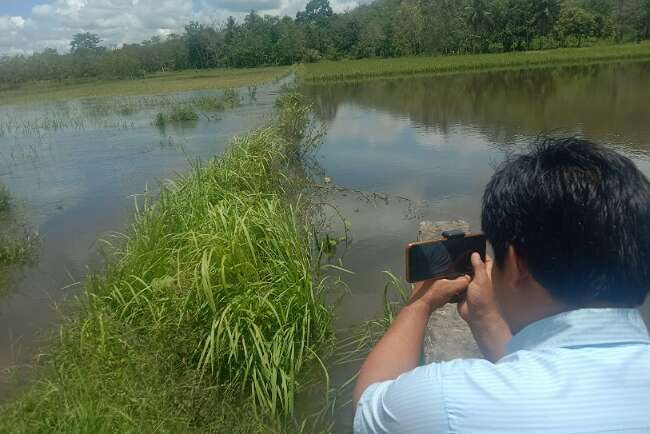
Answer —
85 42
407 37
445 25
291 42
518 17
575 22
315 11
196 50
479 20
641 19
545 14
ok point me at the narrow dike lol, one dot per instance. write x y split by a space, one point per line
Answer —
209 314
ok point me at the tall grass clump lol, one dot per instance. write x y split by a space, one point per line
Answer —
177 113
209 316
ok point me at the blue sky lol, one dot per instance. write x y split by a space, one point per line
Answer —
17 7
27 26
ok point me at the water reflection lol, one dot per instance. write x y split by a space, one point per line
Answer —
608 103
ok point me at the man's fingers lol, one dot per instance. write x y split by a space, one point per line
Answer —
453 287
480 268
463 309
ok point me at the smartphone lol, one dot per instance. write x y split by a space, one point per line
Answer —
447 257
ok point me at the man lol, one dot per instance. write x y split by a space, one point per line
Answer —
555 314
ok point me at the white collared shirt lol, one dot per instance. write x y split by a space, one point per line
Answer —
584 371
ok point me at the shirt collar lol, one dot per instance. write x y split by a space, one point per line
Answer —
582 327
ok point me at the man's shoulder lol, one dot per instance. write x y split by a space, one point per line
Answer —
547 366
600 384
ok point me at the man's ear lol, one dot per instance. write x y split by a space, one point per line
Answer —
517 268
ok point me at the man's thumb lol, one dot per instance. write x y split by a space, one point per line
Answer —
457 285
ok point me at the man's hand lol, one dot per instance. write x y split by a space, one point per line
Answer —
481 312
480 301
434 294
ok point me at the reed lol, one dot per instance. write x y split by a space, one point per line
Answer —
210 312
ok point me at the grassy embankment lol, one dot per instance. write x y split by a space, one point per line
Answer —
162 83
351 70
209 316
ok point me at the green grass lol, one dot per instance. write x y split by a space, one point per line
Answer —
209 316
154 84
351 70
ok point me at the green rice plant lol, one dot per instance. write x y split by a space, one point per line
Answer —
176 114
208 103
209 316
351 70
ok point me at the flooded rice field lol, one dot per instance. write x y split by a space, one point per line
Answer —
396 153
74 170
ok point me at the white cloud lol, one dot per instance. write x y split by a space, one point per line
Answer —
11 24
52 24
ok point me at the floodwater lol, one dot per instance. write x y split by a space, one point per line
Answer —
74 169
436 141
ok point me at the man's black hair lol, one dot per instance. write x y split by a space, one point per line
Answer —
579 215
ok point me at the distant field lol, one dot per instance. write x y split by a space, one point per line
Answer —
154 84
351 70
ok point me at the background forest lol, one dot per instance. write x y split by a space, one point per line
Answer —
384 28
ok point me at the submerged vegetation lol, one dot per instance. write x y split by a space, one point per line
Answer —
116 113
379 68
230 99
187 111
177 113
210 314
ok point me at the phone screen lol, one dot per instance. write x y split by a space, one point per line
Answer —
449 258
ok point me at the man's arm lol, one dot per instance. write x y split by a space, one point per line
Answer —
400 349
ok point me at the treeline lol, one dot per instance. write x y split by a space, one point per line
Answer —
385 28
